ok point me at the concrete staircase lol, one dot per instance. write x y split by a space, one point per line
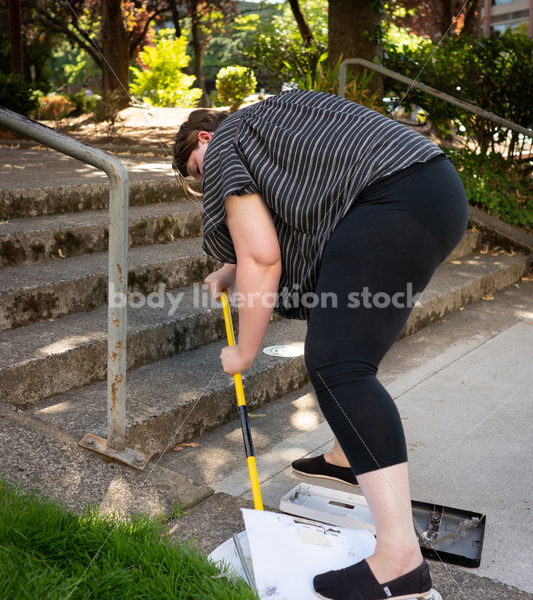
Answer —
53 314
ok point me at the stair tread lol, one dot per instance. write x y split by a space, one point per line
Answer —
463 270
29 225
44 338
159 388
81 267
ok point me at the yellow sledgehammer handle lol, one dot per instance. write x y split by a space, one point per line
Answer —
241 403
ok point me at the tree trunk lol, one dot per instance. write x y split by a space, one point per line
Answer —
446 16
175 16
303 26
353 27
198 51
115 48
15 35
472 19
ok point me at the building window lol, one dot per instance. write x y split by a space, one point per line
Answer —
503 27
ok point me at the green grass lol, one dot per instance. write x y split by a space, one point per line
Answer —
45 550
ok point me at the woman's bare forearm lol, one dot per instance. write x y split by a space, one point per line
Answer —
258 274
257 285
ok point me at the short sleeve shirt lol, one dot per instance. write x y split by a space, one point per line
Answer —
310 155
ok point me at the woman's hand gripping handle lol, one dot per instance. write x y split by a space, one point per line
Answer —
223 279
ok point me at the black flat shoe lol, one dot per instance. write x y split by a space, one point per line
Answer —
318 467
357 582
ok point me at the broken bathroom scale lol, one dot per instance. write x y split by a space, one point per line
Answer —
447 534
444 533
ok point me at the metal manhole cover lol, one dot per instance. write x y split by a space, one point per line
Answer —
284 351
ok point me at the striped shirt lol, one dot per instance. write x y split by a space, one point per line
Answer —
309 155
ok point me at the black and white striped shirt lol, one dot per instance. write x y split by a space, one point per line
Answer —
309 155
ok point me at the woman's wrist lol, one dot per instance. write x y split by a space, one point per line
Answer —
247 354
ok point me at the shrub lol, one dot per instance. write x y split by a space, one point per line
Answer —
16 94
269 57
107 109
234 84
161 81
325 79
55 107
501 187
214 100
274 39
84 103
493 73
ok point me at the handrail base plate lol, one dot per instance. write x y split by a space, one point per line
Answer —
128 456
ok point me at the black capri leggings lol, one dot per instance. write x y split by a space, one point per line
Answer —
382 254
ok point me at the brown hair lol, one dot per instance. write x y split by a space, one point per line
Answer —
203 119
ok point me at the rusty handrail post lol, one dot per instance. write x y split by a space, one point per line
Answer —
428 90
117 277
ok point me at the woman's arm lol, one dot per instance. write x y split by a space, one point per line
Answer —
258 273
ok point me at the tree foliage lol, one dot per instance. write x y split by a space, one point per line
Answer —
80 22
36 44
272 40
207 18
110 32
234 84
434 18
161 80
494 73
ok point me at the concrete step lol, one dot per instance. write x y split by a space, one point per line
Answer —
148 147
50 357
60 287
29 183
32 292
47 358
462 283
28 240
471 242
61 236
182 396
60 199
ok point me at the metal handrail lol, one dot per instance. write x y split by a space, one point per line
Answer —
428 90
117 276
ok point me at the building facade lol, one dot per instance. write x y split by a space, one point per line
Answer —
499 15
